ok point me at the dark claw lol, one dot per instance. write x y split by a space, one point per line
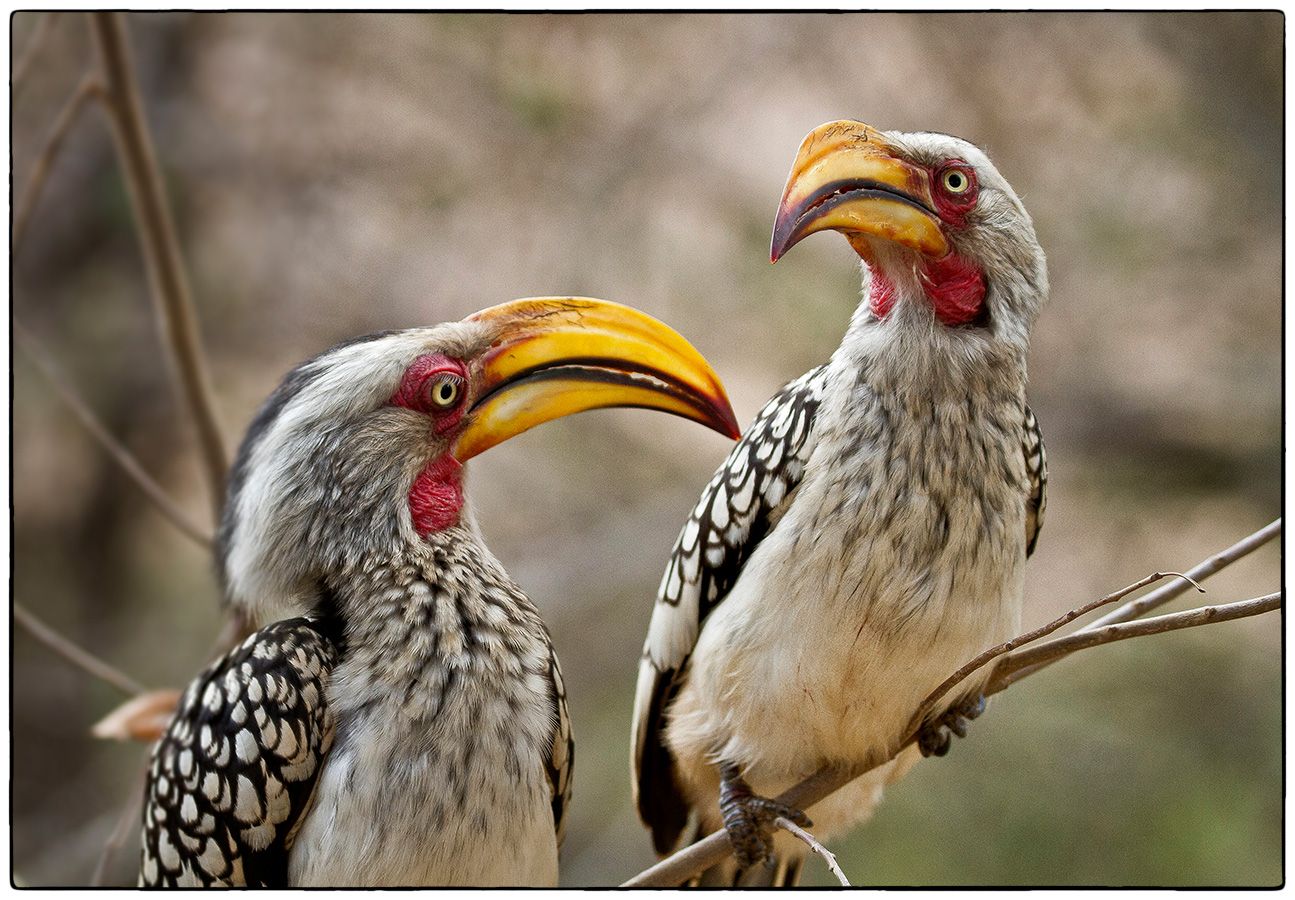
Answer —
935 737
749 818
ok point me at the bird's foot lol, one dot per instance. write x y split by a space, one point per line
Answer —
749 818
936 735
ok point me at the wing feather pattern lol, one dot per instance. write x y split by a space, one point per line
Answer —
561 756
234 772
1036 465
736 510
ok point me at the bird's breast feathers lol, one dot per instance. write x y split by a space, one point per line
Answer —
900 559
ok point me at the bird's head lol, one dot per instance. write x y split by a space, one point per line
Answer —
942 234
360 450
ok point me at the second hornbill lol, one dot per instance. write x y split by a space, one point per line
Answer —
868 534
402 720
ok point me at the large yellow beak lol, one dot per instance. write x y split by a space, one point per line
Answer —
847 178
554 356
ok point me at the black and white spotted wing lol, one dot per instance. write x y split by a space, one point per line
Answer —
736 510
1036 466
229 780
561 756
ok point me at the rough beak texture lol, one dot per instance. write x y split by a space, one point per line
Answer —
554 356
847 178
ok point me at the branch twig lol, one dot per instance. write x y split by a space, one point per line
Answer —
693 859
1202 570
815 846
37 40
116 451
927 705
67 116
81 658
127 821
1050 651
160 246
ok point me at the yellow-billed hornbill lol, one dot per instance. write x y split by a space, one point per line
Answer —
402 720
868 534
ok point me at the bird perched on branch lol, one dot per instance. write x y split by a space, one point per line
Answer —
407 724
868 534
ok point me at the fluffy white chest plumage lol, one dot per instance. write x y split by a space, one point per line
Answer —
898 558
397 806
439 772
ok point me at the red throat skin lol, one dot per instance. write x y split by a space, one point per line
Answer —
881 293
436 496
955 287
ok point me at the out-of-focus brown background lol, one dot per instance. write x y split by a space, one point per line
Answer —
333 175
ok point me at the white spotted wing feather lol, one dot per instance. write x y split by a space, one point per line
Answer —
234 772
736 509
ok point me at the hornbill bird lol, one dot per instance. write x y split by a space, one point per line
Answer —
401 720
867 535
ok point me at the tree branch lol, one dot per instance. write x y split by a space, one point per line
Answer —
1199 572
116 451
77 656
928 705
1049 651
161 248
814 845
39 33
712 849
1202 570
67 116
127 821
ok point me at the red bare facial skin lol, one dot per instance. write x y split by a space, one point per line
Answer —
881 293
436 496
421 374
953 207
954 285
956 288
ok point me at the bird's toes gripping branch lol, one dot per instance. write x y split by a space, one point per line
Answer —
936 734
749 818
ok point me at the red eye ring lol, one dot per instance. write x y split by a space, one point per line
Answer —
434 384
955 191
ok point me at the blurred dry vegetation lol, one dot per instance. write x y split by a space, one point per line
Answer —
333 175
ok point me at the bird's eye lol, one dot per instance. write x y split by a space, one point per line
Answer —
443 392
956 181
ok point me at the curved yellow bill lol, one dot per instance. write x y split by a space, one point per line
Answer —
555 356
847 178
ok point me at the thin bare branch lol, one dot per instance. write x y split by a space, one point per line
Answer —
127 821
81 658
1199 572
927 705
678 868
67 116
37 40
813 843
161 248
1050 651
62 386
1202 570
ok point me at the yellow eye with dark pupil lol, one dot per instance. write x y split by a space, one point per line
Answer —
955 182
444 391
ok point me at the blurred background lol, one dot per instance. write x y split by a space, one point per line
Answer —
337 174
